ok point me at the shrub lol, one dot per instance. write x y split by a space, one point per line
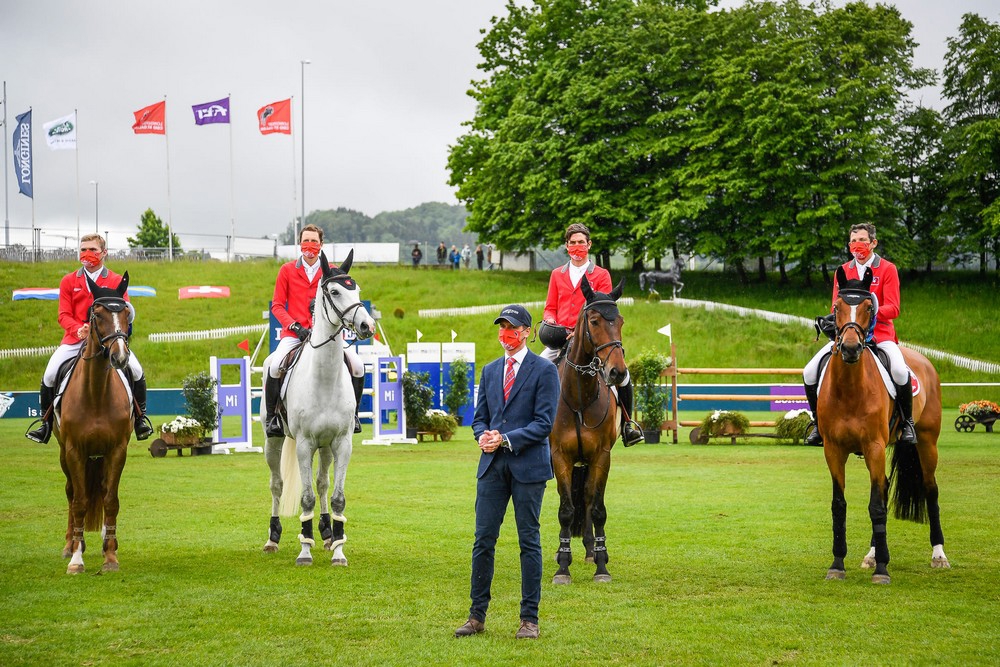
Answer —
417 397
979 408
458 392
183 427
725 422
440 422
199 394
792 426
645 370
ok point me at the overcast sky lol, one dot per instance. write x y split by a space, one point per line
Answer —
385 95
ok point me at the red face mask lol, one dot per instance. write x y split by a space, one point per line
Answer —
90 259
510 339
310 249
860 250
577 251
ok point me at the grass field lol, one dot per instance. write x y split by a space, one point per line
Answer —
718 555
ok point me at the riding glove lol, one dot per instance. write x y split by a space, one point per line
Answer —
300 331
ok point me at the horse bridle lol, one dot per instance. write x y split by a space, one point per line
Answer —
341 314
114 305
852 297
595 367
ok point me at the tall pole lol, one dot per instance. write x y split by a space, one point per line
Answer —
76 151
170 223
302 104
232 190
6 197
97 209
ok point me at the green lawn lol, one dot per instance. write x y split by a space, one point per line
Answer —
718 555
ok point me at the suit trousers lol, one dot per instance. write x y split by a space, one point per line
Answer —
494 490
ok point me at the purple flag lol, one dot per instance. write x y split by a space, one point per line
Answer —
211 112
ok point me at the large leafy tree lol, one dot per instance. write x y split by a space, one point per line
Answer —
153 233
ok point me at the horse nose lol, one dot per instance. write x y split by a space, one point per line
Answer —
119 360
850 353
615 376
365 330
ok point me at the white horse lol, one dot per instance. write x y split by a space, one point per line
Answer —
319 401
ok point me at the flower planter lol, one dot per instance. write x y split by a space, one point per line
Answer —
181 439
651 437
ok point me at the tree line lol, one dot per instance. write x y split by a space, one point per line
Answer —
749 135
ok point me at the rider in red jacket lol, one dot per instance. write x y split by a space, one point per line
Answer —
885 290
565 300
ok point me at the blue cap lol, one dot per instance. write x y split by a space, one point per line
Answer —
516 315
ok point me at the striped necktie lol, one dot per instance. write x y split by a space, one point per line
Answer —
508 379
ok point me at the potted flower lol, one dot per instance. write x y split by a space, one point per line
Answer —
182 430
650 404
724 422
440 422
792 426
199 395
458 391
417 397
979 409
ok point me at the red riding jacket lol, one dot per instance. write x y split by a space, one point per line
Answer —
75 300
564 302
292 294
885 287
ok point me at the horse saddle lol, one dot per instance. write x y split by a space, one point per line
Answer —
65 372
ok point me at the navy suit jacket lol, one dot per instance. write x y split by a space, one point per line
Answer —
526 418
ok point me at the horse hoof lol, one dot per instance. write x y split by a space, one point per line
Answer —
602 578
340 562
880 578
302 562
271 547
328 544
940 563
74 569
835 574
561 579
109 567
868 563
589 559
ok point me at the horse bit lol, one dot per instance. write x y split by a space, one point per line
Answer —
341 314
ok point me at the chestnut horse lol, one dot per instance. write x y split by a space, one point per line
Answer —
854 411
93 425
586 427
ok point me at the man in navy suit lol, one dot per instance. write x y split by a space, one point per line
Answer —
518 394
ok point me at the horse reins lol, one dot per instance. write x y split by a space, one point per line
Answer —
341 314
114 306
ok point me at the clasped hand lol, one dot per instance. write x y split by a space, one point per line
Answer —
490 441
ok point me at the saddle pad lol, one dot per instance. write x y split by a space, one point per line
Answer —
890 387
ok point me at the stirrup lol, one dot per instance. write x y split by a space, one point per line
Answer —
907 433
357 424
41 434
631 434
272 427
813 438
143 427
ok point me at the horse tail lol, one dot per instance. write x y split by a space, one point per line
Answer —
576 494
909 496
94 475
291 480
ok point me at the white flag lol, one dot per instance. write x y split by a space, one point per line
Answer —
419 335
665 331
60 134
454 335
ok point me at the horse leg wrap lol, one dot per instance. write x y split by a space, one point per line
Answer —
339 537
564 556
275 530
877 511
839 510
600 550
110 534
325 529
306 536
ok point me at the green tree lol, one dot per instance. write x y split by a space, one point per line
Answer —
153 234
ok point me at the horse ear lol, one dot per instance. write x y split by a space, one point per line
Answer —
586 289
91 284
123 285
841 277
325 265
616 293
867 281
346 265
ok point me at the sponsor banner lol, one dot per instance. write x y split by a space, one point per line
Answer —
276 118
60 134
796 402
211 112
151 119
203 292
41 293
22 154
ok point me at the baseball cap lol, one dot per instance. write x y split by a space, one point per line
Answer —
516 315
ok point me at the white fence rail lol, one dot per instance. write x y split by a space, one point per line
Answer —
27 352
206 334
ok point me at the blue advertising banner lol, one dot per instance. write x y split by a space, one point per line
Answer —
22 154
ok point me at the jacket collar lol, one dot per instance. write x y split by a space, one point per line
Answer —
104 272
875 262
590 266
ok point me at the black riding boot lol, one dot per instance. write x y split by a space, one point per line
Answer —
904 399
813 438
359 390
272 424
630 434
44 430
143 429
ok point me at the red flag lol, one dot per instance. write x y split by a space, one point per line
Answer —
152 119
203 292
276 117
244 345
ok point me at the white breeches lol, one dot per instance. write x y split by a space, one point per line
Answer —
549 353
289 343
897 365
64 353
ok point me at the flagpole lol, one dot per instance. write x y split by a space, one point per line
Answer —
232 190
295 224
6 196
76 148
170 226
31 152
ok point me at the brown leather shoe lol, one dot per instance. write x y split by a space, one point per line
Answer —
471 627
527 630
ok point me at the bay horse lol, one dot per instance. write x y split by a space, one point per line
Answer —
93 425
319 417
586 427
854 411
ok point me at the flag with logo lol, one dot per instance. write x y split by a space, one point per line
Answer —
276 117
151 119
22 154
211 112
60 134
203 292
